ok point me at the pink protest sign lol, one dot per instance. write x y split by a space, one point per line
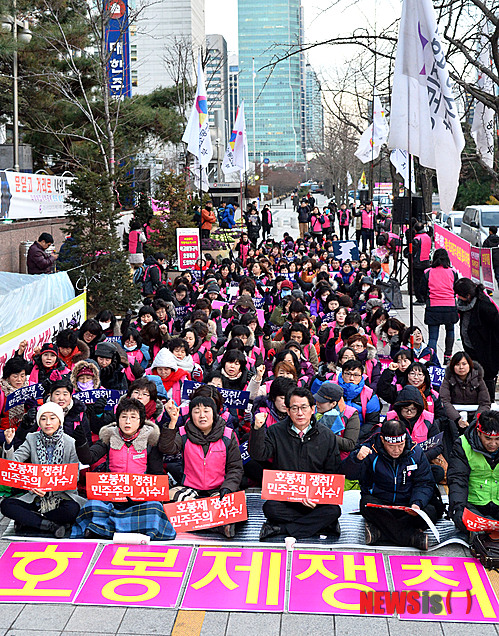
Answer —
459 588
136 576
43 572
487 273
475 263
459 250
188 247
331 582
235 579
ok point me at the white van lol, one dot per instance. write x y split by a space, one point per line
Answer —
476 222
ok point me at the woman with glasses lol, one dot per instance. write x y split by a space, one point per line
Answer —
357 394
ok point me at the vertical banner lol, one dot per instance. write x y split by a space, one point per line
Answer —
487 271
235 579
475 263
462 586
331 582
43 572
458 249
188 247
136 576
118 48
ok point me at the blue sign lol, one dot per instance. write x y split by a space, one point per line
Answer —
346 250
118 48
437 374
31 392
89 397
181 311
113 339
259 303
329 317
232 398
431 442
245 456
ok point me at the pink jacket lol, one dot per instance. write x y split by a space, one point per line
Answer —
205 472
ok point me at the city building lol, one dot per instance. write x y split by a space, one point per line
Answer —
216 74
233 88
314 111
267 31
164 42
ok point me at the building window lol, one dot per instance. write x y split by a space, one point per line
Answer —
133 52
135 78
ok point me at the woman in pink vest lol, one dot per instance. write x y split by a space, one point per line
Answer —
437 287
46 366
136 239
212 460
343 221
130 446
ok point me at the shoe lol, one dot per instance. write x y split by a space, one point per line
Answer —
419 303
419 540
447 359
53 528
373 533
268 530
229 530
332 530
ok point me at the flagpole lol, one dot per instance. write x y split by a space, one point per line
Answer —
254 117
411 254
201 215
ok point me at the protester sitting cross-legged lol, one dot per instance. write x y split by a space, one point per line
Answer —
49 512
130 446
210 449
297 443
393 470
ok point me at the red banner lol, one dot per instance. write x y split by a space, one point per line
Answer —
282 485
47 477
120 486
198 514
475 263
476 523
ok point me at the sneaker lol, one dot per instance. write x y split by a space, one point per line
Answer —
419 540
447 359
268 530
373 533
229 530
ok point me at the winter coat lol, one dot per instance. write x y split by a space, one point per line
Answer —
367 404
153 276
171 442
403 481
472 391
461 490
110 441
389 384
437 286
38 261
208 218
303 214
38 374
348 437
81 352
316 452
483 332
492 241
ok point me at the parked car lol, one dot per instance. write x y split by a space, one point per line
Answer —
452 221
476 222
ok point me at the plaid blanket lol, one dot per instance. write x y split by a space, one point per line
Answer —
104 519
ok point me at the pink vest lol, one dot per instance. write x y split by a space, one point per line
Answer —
344 217
205 473
128 460
441 286
346 415
133 356
420 431
327 222
133 242
367 220
316 224
425 241
54 376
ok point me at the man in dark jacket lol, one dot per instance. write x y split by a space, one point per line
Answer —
297 443
38 261
473 472
153 275
394 471
303 217
492 241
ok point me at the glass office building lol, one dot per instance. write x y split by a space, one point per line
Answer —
268 30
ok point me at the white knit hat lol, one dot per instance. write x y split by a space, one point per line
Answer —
50 407
165 358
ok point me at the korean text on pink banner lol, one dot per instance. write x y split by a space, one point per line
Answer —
43 572
235 579
487 271
188 247
458 249
282 485
120 486
475 263
136 576
331 582
461 584
43 476
210 512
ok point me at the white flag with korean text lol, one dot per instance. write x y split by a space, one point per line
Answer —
423 119
482 128
236 155
197 134
375 136
400 159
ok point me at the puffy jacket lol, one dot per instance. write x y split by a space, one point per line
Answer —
472 391
208 217
303 214
492 241
367 404
316 452
38 261
403 481
211 461
40 375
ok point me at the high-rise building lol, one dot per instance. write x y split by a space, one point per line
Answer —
216 74
233 88
268 30
314 111
164 43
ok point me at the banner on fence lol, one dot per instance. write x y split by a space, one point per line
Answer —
209 512
42 476
285 485
120 486
458 249
475 263
487 271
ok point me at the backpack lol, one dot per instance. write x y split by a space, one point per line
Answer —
138 276
486 549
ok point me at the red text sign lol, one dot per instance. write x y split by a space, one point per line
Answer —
197 514
42 476
282 485
120 486
476 523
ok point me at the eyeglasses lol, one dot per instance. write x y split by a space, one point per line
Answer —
141 393
348 374
300 409
130 417
416 373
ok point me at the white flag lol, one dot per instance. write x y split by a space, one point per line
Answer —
349 179
205 184
236 155
482 128
424 118
197 134
373 137
400 159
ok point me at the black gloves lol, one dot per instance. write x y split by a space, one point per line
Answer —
137 370
223 492
79 436
267 330
100 406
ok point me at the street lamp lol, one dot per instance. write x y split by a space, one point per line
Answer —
20 32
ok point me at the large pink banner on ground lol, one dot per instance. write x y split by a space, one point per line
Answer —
136 576
236 579
460 586
459 250
331 582
43 572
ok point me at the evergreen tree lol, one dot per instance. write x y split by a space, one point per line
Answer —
92 221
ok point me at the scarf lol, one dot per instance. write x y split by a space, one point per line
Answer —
129 440
422 390
16 413
50 450
174 377
150 409
231 378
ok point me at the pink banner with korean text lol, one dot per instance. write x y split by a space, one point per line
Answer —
448 589
487 271
332 582
458 249
136 576
236 579
475 263
43 572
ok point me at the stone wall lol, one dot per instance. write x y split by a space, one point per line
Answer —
12 234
